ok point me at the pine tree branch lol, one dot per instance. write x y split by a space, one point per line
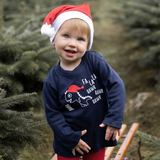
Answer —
44 50
3 68
31 35
2 93
7 45
11 101
39 124
138 32
14 86
154 37
148 139
148 8
22 27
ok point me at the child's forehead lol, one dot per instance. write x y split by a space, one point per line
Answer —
74 22
78 26
71 30
65 24
66 27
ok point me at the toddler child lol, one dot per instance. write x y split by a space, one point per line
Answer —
84 97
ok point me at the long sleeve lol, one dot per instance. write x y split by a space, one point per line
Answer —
116 100
62 131
115 90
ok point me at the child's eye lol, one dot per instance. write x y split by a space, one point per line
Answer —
80 39
66 36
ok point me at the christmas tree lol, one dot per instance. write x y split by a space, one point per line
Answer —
17 129
141 21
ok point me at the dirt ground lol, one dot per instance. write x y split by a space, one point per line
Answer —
142 102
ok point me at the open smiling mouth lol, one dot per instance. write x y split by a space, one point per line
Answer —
70 51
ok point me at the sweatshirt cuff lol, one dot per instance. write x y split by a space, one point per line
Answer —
113 123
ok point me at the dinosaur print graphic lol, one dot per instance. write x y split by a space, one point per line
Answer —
72 95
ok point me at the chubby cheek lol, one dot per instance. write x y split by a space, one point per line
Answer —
58 46
84 49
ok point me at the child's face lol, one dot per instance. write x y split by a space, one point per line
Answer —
70 45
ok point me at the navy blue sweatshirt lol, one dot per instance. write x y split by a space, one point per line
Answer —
91 94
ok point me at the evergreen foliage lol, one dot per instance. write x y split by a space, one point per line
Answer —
150 141
25 58
142 23
19 11
17 129
25 55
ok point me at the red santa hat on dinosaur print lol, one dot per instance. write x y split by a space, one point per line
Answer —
74 88
59 15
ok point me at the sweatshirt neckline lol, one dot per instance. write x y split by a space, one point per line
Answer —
75 71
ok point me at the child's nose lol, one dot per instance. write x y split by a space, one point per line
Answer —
72 43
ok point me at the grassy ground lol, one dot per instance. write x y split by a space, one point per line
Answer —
109 43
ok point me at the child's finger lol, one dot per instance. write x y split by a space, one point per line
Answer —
85 146
114 135
102 125
73 151
119 132
84 132
81 146
108 135
80 151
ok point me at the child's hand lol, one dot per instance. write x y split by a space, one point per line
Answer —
110 131
81 146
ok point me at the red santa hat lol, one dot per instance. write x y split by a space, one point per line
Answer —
59 15
74 88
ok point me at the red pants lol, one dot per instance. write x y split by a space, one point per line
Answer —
90 156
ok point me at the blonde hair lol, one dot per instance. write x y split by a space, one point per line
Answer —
79 26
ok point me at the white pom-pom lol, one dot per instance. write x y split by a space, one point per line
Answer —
47 30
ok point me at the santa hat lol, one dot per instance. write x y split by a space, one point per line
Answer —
59 15
74 88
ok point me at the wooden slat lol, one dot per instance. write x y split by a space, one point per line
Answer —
125 145
109 150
